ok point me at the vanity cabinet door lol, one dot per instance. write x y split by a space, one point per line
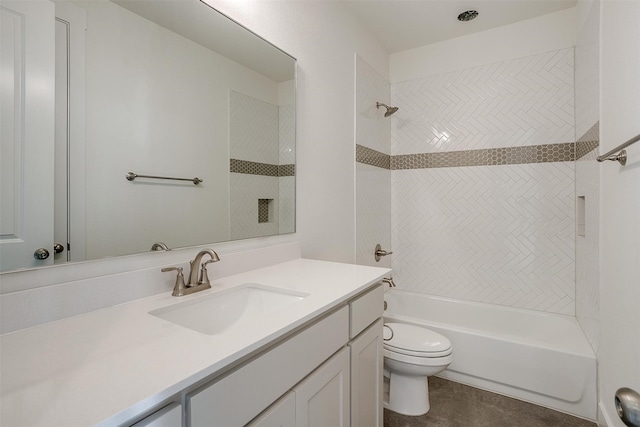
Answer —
322 399
367 377
241 395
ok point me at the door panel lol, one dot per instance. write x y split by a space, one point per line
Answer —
27 122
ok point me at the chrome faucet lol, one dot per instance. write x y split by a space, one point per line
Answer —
203 278
159 246
196 282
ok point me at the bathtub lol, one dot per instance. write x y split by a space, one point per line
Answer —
534 356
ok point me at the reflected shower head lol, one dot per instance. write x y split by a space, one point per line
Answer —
390 110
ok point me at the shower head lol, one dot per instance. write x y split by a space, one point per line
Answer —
390 110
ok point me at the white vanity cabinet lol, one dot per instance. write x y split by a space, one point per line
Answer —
327 374
242 394
366 359
321 399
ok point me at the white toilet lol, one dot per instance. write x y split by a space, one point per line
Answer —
411 354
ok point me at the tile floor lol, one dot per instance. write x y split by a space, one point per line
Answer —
457 405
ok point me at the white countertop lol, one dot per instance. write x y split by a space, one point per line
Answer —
108 366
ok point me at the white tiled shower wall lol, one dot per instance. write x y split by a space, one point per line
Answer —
524 101
495 234
587 81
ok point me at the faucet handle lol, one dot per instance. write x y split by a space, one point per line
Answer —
204 276
179 288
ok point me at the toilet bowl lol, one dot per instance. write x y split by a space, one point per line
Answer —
411 354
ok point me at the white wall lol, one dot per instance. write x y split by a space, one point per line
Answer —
619 340
538 35
373 183
533 36
323 36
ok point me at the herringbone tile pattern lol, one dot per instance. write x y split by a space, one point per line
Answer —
253 129
526 101
494 234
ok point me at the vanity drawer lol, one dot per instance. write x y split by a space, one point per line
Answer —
365 310
240 396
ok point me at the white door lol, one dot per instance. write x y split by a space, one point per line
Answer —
27 89
619 343
322 398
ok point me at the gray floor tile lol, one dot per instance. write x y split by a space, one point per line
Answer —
458 405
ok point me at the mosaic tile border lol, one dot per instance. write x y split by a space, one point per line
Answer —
252 168
264 169
372 157
287 170
588 142
563 152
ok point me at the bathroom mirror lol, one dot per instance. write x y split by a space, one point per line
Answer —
93 90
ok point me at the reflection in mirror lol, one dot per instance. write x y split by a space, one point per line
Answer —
167 88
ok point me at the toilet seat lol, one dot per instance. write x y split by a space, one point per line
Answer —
415 341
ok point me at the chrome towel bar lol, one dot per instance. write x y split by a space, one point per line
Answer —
131 176
619 153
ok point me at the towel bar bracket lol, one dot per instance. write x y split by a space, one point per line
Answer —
621 157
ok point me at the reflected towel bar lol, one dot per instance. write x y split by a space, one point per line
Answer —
131 176
619 153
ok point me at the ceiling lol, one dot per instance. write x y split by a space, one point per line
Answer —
406 24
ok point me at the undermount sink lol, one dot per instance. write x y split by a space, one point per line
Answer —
239 307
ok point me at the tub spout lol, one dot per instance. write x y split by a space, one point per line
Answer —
389 281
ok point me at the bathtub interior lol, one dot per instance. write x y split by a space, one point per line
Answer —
550 363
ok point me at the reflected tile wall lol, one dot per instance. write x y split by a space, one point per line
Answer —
253 129
286 169
262 151
247 190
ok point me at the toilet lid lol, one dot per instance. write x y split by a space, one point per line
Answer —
415 340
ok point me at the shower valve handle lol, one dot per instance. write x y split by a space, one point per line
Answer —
379 253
